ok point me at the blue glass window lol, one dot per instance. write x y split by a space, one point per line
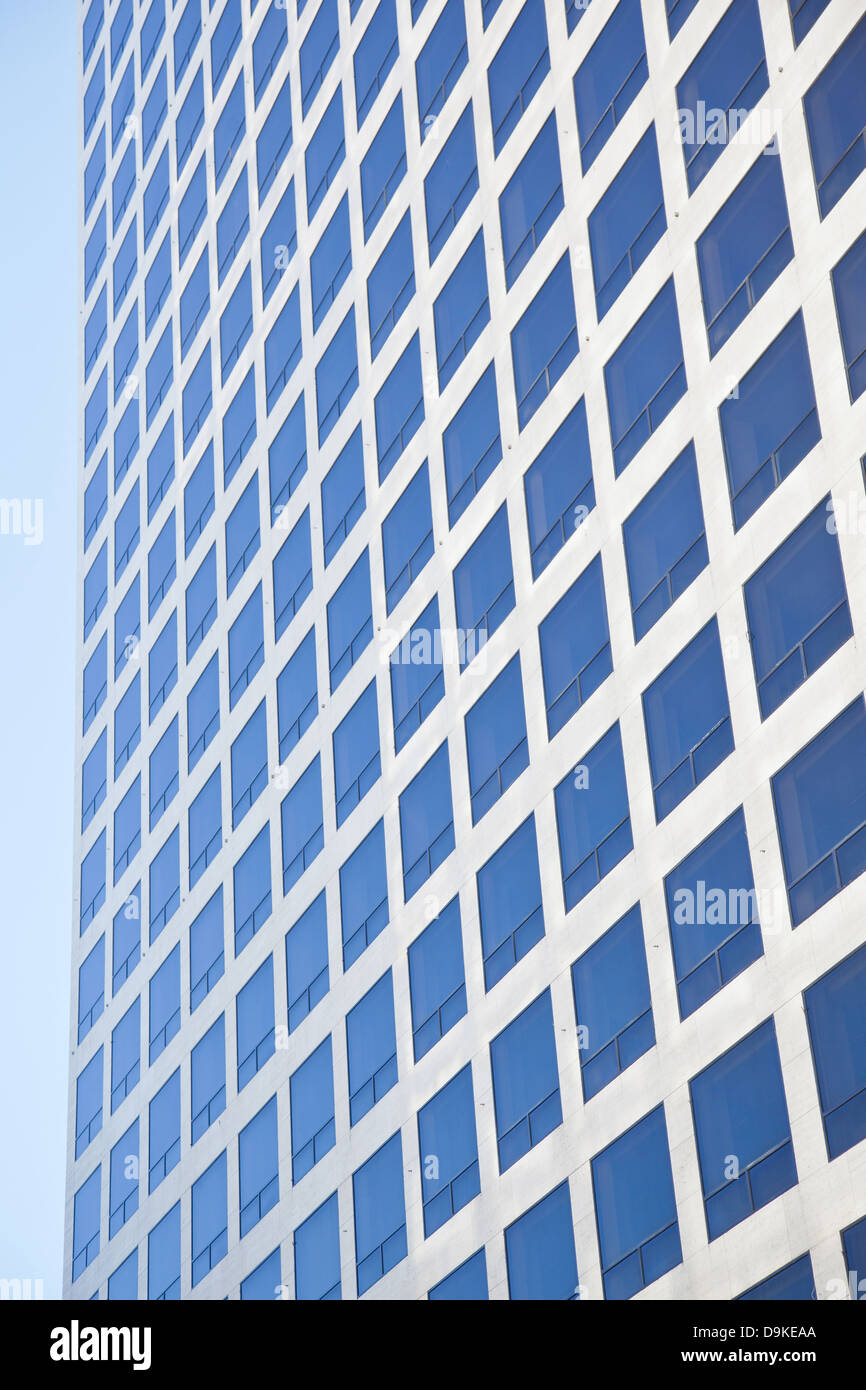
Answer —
198 499
836 1009
554 510
472 444
525 1081
293 574
575 647
249 765
795 1281
461 311
517 71
317 1253
436 979
302 824
544 341
243 534
312 1107
324 154
123 1170
164 1131
91 988
626 222
407 538
307 961
123 1283
268 46
797 608
164 895
287 460
163 1257
727 78
255 1022
371 1045
713 914
849 290
665 542
539 1250
209 1203
275 139
126 939
125 1054
770 422
208 1079
380 1214
688 721
417 679
612 1003
742 1130
483 587
205 827
374 57
258 1167
331 262
835 108
509 903
246 645
744 249
440 63
206 950
531 201
383 167
364 894
645 377
399 408
451 183
279 243
609 79
232 226
297 695
390 285
466 1283
265 1281
127 829
336 376
635 1208
350 620
85 1223
820 811
343 496
449 1151
592 817
496 744
318 51
92 891
426 821
88 1103
197 399
164 1007
252 889
357 765
193 203
163 773
201 603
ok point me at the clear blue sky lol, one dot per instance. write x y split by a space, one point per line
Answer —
38 460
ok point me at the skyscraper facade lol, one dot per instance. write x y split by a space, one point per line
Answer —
471 803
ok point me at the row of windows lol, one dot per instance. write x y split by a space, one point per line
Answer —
727 77
739 256
798 616
768 424
739 1110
